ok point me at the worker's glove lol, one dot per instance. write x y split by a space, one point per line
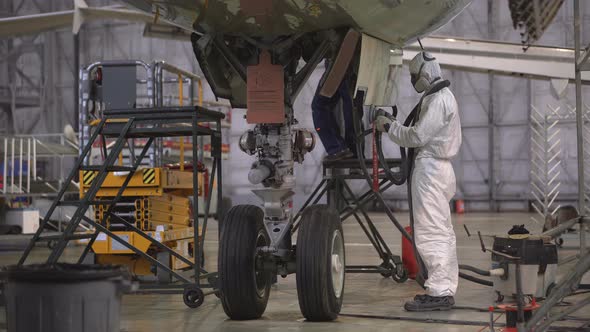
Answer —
383 123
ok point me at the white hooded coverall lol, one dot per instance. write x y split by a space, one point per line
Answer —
437 138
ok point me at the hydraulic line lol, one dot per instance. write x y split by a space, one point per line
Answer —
474 269
403 175
360 148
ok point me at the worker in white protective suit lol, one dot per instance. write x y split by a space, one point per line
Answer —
436 137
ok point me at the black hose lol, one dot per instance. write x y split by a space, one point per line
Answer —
474 269
475 279
360 141
397 178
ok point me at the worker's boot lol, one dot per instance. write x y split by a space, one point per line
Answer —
430 303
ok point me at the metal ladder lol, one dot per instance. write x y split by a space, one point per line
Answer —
146 123
88 200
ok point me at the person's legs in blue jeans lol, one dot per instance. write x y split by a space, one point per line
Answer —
325 123
347 109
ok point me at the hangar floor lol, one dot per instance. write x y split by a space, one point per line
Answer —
365 294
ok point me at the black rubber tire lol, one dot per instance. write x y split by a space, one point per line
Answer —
163 276
193 296
317 299
243 296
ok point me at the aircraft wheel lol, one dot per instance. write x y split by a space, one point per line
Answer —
244 289
320 264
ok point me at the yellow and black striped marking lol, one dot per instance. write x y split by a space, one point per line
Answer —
149 176
88 177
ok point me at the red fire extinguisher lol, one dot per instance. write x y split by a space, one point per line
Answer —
408 256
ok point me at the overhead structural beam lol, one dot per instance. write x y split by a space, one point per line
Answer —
500 58
36 23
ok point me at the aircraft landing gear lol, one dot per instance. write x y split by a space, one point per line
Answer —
255 243
246 269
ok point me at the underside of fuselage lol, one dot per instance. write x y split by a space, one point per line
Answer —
394 21
228 35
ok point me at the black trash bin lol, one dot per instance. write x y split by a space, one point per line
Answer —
64 297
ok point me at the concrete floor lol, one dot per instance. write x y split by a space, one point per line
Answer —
364 293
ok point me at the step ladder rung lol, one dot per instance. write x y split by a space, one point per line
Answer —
69 238
108 169
78 203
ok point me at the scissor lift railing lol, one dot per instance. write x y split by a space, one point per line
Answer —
147 124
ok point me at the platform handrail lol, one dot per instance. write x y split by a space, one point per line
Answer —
23 150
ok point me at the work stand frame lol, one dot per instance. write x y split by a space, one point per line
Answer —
340 196
150 124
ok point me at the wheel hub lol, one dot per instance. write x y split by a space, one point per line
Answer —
337 263
261 275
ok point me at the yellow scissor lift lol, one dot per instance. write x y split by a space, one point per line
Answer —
157 201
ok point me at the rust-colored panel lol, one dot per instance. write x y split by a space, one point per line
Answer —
261 10
341 64
266 92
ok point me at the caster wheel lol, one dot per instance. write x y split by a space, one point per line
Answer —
400 275
244 289
320 264
388 270
193 297
51 244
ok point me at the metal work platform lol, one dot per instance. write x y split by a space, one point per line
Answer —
334 186
125 124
